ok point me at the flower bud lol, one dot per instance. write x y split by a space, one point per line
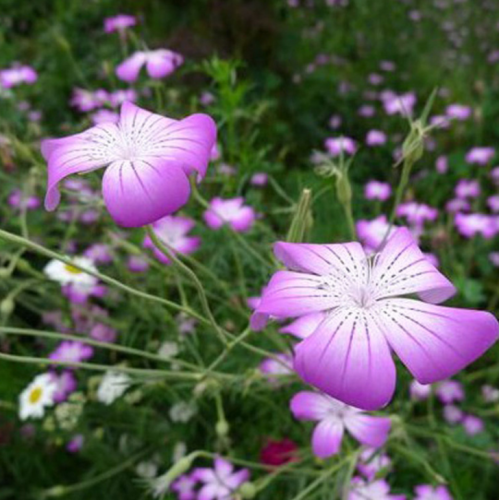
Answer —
4 273
248 490
7 307
222 428
55 491
343 189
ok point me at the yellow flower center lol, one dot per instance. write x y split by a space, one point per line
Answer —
71 269
35 395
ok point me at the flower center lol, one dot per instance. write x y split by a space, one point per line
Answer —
35 395
71 269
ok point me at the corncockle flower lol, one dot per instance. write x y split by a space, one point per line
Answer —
334 417
85 100
185 324
277 453
103 333
368 316
221 482
375 138
80 293
206 98
232 212
458 112
259 179
119 23
37 396
17 199
273 369
372 461
100 253
120 96
472 425
467 188
428 492
469 225
457 205
375 490
16 75
225 169
417 213
493 203
173 231
372 232
304 325
439 121
105 116
490 394
112 386
183 411
388 66
366 111
494 175
340 145
375 190
399 104
70 351
159 63
419 391
185 487
148 157
75 444
65 385
375 79
449 391
137 264
452 414
335 122
480 155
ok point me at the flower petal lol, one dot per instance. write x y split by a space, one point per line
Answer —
402 269
435 342
368 430
77 154
308 405
327 437
129 69
140 192
305 325
348 358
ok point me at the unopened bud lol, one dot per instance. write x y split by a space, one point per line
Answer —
222 428
56 491
248 490
343 189
7 307
4 273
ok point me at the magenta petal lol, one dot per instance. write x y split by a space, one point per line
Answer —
327 437
129 69
304 326
140 192
307 405
348 358
435 342
368 430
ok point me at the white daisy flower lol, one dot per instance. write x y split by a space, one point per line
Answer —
113 385
66 274
37 396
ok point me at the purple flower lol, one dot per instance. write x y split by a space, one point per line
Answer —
457 205
467 188
17 199
103 333
335 122
417 213
366 111
372 461
427 492
469 225
185 486
220 482
367 316
458 112
472 425
65 384
452 414
490 394
375 138
137 264
16 75
493 203
378 490
334 417
375 190
173 231
449 391
148 159
105 116
480 155
259 179
85 100
100 253
340 145
232 212
271 368
159 63
419 391
75 444
372 232
399 104
71 351
119 23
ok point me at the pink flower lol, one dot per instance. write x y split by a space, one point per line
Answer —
272 368
334 417
75 444
159 63
70 351
493 203
232 212
452 414
458 112
457 205
427 492
372 232
277 453
335 122
259 179
103 333
185 487
419 391
119 97
16 75
470 225
467 188
148 158
399 104
137 264
480 155
100 253
65 384
449 391
472 425
375 138
119 23
490 394
17 199
85 100
417 213
340 145
375 190
174 232
367 316
105 116
366 111
372 461
378 490
221 482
